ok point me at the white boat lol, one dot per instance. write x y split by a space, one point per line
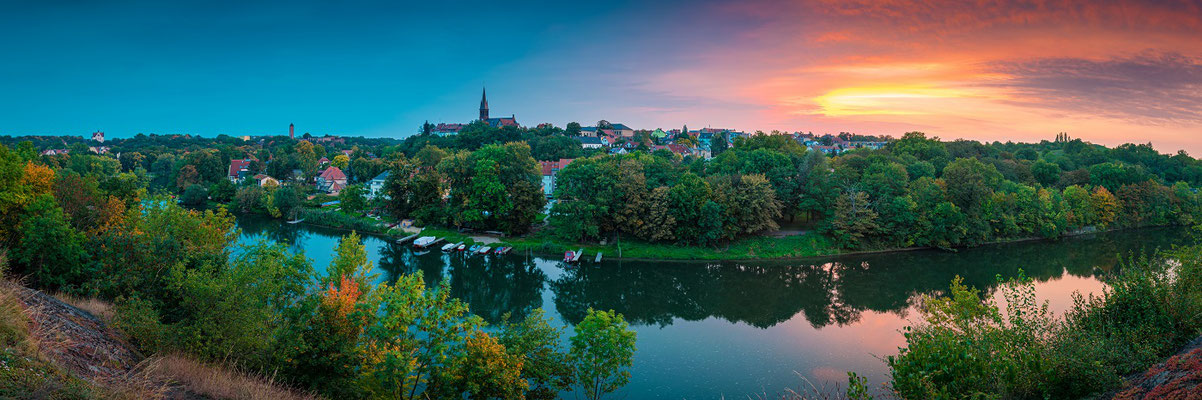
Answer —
448 246
424 241
485 249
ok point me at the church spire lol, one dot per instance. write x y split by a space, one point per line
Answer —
483 104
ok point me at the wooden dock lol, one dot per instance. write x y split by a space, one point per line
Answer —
407 238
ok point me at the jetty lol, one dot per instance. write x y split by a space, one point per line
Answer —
407 238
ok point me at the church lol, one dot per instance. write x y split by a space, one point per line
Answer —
494 122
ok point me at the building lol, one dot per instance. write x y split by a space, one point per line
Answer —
375 187
447 129
494 122
55 152
264 180
550 171
291 131
239 170
592 142
98 136
331 180
613 131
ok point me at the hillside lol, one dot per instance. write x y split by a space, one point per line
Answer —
52 349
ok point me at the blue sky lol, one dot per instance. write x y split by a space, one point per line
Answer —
376 69
1111 71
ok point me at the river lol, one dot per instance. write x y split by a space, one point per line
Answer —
737 329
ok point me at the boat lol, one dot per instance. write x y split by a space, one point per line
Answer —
425 241
448 246
485 249
296 221
572 256
598 257
460 247
473 249
503 250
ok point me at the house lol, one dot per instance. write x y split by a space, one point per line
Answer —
550 171
448 129
239 170
55 152
592 142
331 180
323 161
659 134
680 149
375 187
98 136
614 131
264 180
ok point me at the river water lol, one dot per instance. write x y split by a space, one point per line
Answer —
747 328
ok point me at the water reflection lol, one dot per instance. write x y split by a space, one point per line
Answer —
736 328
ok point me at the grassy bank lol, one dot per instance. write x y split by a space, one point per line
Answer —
758 247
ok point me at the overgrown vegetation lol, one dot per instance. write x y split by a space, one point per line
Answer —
180 286
969 347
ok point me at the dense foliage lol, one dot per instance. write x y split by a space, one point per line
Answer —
969 347
180 285
914 192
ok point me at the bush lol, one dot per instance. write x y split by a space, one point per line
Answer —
968 348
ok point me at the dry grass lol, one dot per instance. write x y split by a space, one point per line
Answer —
99 308
216 382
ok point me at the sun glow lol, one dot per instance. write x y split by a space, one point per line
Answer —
887 100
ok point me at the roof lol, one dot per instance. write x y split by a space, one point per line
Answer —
588 139
550 167
499 122
382 176
622 127
237 166
332 174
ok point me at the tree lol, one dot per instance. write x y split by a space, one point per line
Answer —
341 161
415 340
353 198
572 129
187 176
195 195
306 158
852 221
602 352
1045 173
969 182
50 250
287 199
223 191
546 369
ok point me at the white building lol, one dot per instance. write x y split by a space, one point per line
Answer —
375 187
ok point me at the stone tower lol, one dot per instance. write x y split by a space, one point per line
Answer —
483 105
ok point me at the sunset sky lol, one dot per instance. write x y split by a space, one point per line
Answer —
1109 72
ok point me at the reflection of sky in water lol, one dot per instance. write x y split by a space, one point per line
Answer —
707 330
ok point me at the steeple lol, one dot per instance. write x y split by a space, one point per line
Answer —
483 104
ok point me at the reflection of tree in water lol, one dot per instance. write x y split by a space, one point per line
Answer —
269 229
396 260
494 286
651 294
838 291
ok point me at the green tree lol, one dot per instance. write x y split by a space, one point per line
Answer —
602 352
546 369
853 220
195 195
353 198
50 251
1045 173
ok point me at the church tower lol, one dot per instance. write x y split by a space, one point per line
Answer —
483 105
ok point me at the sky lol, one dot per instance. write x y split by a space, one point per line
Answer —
1109 72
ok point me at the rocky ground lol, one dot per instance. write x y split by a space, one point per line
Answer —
1178 378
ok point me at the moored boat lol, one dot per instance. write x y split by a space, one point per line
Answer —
485 249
